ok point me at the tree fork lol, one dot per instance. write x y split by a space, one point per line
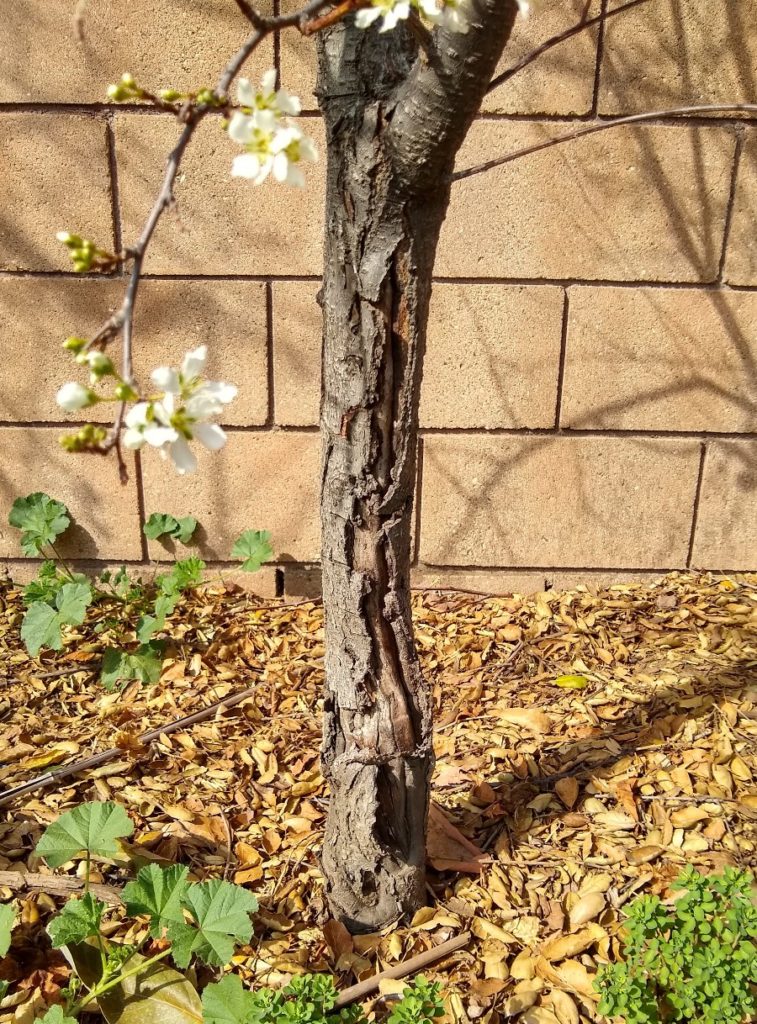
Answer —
387 195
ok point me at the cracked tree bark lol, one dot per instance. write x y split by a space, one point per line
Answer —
395 120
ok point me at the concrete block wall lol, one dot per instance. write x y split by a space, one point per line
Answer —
589 407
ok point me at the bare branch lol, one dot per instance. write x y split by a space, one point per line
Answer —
122 321
740 108
561 37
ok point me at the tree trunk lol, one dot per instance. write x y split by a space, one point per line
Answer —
384 211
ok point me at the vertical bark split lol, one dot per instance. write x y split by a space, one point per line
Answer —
381 236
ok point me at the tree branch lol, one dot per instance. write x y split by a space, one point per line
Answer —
437 102
561 37
741 108
123 319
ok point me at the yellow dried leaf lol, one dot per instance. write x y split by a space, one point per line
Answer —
588 907
572 682
686 817
523 966
567 790
527 718
563 1007
539 1015
565 946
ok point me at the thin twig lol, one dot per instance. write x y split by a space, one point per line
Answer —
49 778
741 108
561 37
415 963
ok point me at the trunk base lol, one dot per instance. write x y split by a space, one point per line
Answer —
374 849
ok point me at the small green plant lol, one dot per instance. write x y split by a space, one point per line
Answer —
253 547
134 613
188 922
161 524
694 961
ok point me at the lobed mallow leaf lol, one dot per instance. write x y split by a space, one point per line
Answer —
220 914
158 892
40 518
91 828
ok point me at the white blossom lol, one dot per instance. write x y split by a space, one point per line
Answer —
272 144
524 8
447 13
73 396
181 413
392 11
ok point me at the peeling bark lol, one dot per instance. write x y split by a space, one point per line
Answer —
384 209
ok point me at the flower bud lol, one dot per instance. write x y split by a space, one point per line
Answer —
169 95
127 80
74 344
73 396
69 239
125 392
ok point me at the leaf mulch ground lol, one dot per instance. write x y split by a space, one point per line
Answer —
577 799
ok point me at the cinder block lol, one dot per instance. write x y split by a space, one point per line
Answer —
559 81
674 53
229 316
741 258
36 315
171 317
220 224
491 359
301 581
297 332
726 530
104 514
54 178
184 44
261 480
660 359
626 204
492 356
557 501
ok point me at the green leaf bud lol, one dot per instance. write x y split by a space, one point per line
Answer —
125 392
74 344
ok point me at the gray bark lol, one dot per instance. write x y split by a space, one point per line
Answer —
394 122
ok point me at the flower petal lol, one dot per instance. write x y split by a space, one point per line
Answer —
245 93
268 81
246 165
167 379
194 362
158 436
241 127
183 457
209 434
133 438
137 415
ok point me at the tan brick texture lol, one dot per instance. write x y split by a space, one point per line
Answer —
104 514
741 262
551 501
184 44
674 53
221 225
589 398
635 359
54 178
726 530
630 204
260 481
